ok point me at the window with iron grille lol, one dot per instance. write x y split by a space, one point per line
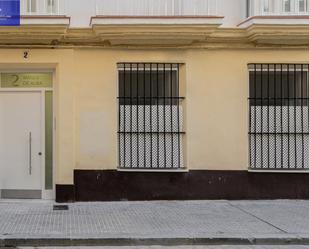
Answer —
150 129
278 116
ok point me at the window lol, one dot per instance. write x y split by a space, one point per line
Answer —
277 7
52 6
31 6
266 7
287 6
278 123
150 116
302 5
295 6
278 88
42 7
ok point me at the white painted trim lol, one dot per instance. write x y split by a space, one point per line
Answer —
154 7
43 142
156 21
274 21
55 113
48 194
46 21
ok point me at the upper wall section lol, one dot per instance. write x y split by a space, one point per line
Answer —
277 22
154 8
161 23
43 7
80 11
234 12
277 7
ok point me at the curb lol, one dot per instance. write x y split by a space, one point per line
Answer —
15 242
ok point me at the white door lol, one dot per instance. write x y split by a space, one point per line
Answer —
20 143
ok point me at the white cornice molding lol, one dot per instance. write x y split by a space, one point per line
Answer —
286 20
45 20
57 33
43 30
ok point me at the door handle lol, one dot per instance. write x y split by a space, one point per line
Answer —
30 153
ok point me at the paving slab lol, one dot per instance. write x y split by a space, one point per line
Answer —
290 216
282 222
177 247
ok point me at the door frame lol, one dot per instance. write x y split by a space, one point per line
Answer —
46 194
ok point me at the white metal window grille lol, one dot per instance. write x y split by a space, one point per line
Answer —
278 117
150 130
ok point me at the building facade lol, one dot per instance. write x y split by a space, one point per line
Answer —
149 100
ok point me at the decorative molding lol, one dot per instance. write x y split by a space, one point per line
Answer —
154 30
47 30
157 32
275 20
279 34
277 30
154 34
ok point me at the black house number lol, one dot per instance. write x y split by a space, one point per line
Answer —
26 54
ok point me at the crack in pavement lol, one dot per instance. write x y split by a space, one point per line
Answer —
265 221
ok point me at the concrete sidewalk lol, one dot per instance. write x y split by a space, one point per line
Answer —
282 222
178 247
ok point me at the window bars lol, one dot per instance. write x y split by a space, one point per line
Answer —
150 128
278 116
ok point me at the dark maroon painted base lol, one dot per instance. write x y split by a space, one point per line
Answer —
111 185
65 193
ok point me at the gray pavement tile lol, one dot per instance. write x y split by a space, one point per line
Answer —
290 216
176 247
130 219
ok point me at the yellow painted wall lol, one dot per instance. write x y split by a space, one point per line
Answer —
86 102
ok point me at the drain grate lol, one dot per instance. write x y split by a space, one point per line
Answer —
60 207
